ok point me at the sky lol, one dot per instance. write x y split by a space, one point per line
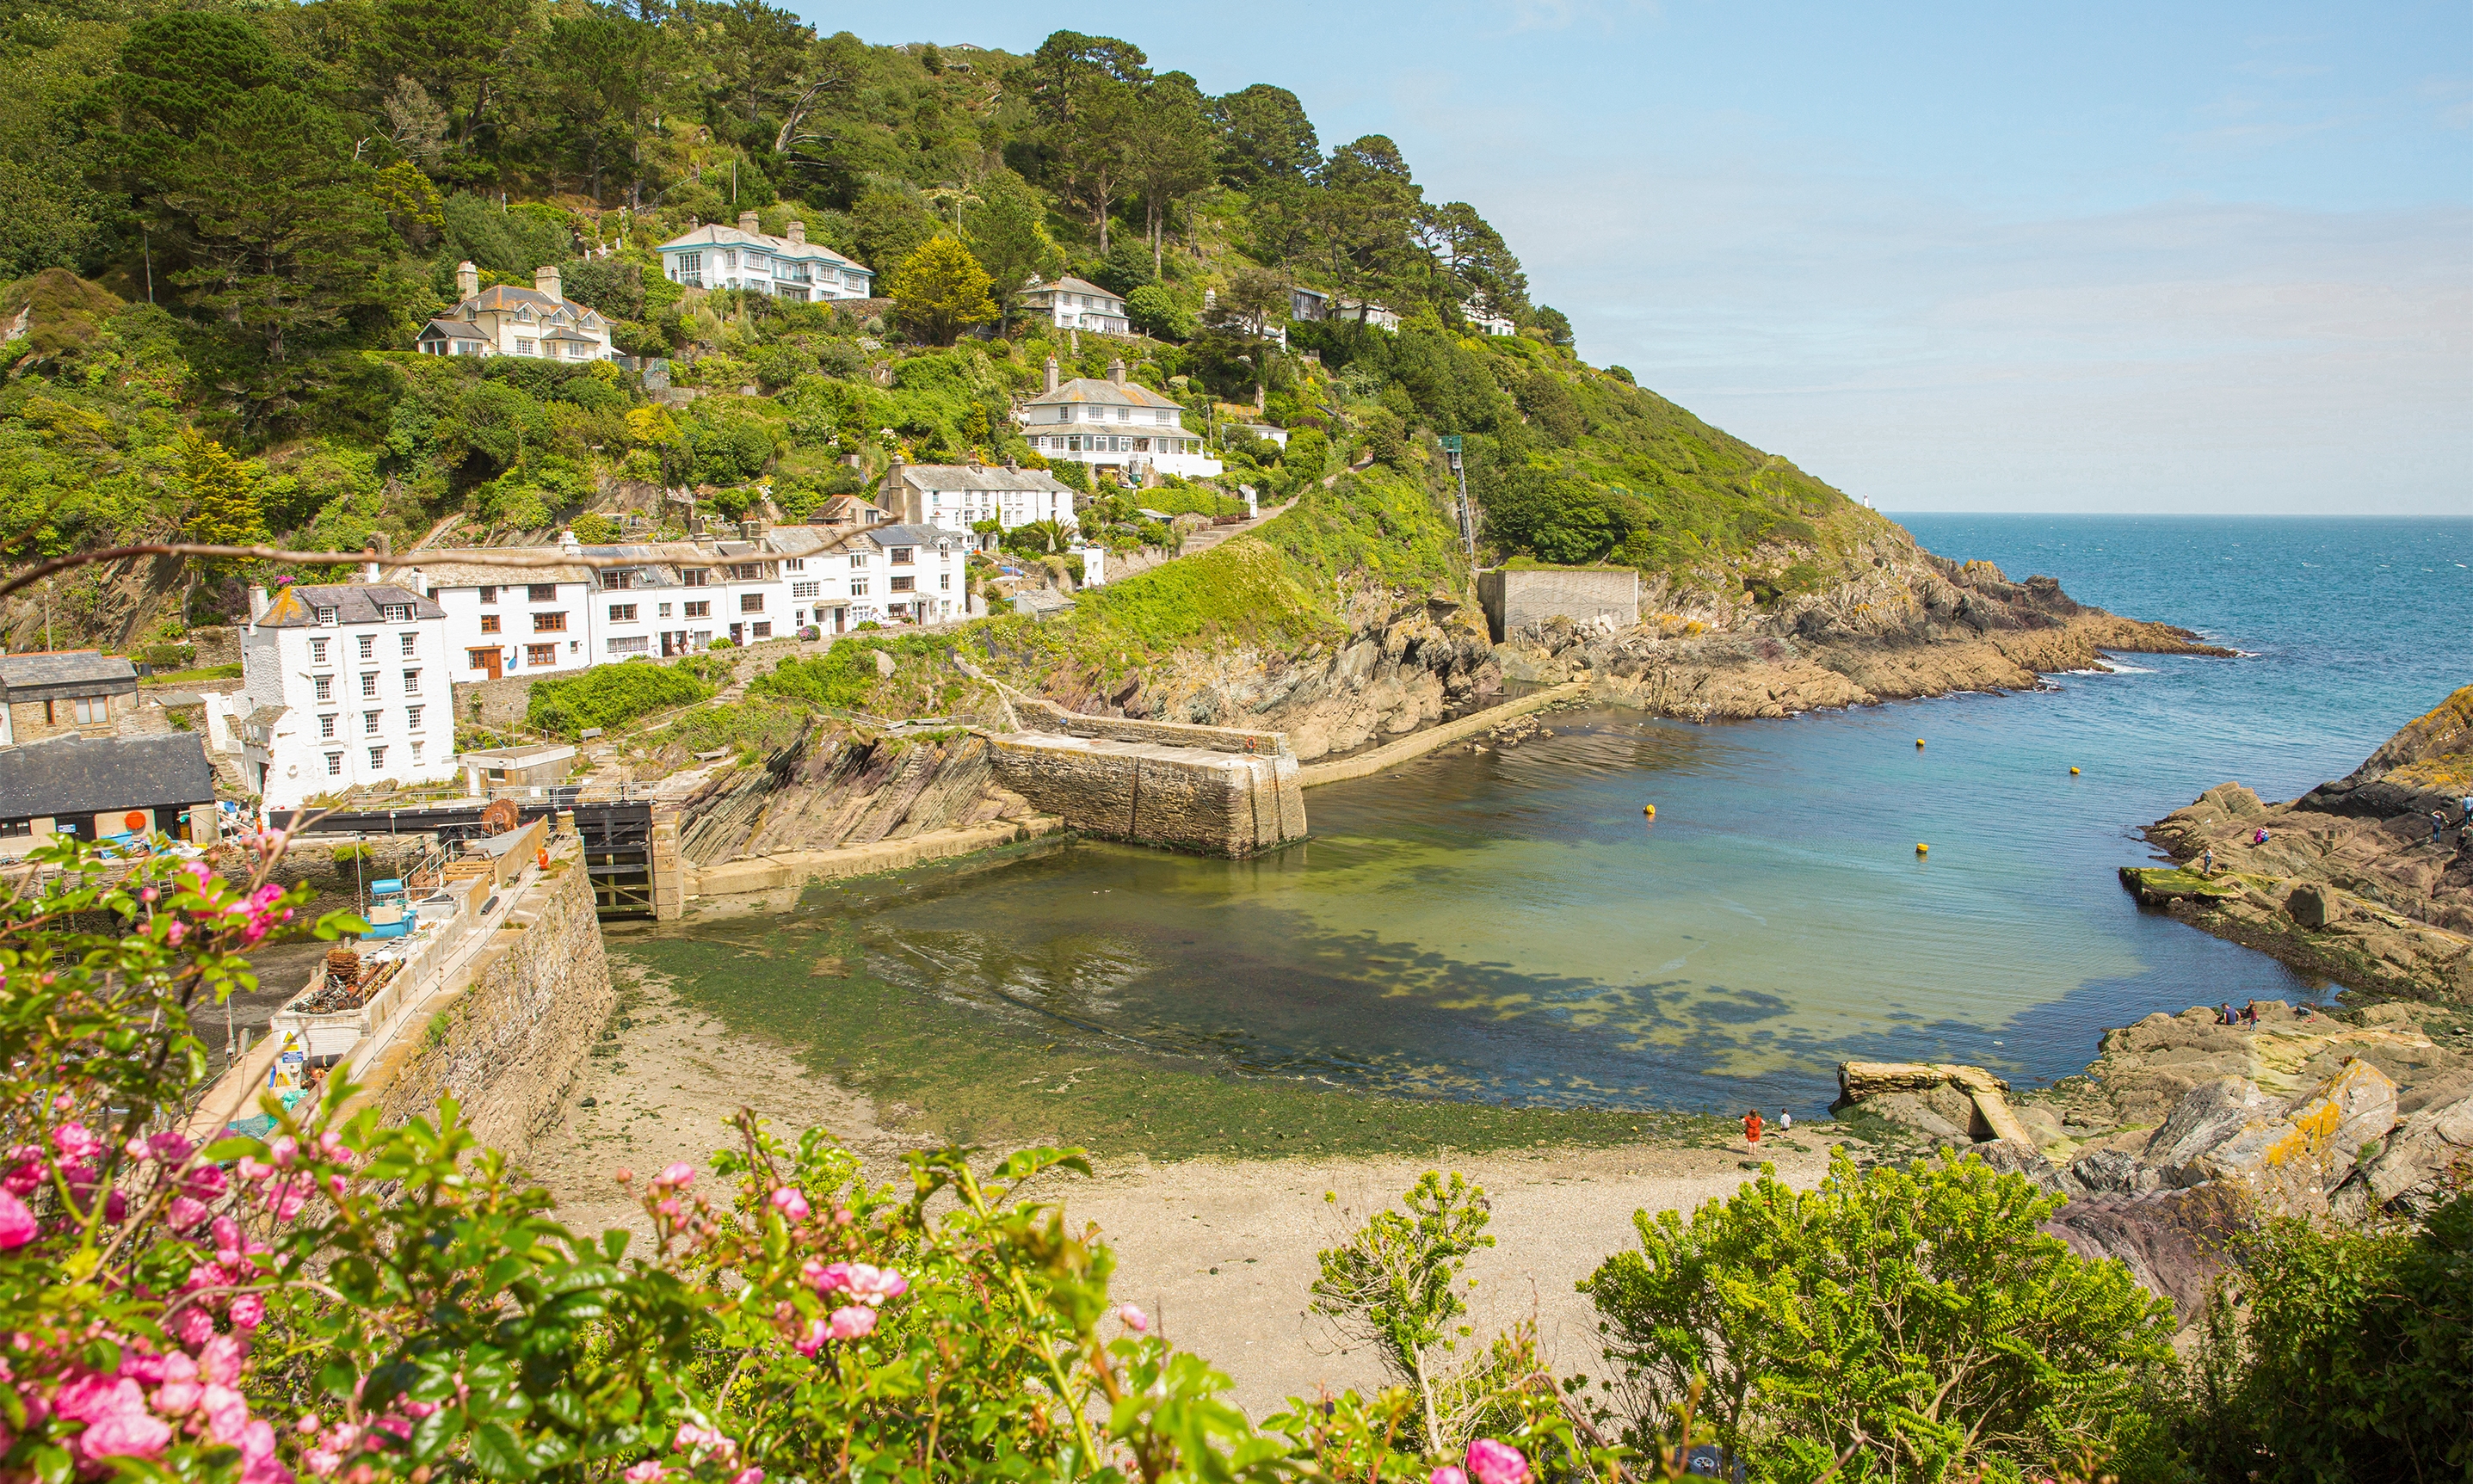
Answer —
2188 258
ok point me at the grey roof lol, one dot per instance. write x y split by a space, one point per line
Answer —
995 478
451 330
1040 602
508 298
1072 285
354 603
73 775
1094 388
716 235
910 536
74 672
445 569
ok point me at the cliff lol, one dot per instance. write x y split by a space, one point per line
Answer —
2349 880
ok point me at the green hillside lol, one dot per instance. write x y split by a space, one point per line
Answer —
222 228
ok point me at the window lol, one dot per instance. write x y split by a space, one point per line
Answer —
665 611
858 559
1160 414
525 346
489 623
549 623
327 726
326 687
416 755
377 758
540 654
901 555
747 572
317 651
1064 413
858 587
543 593
751 602
795 565
805 589
93 708
689 270
368 645
694 576
326 619
395 612
488 594
479 659
334 765
368 682
412 683
1124 415
762 630
622 612
632 644
412 717
369 722
905 585
411 644
945 582
702 610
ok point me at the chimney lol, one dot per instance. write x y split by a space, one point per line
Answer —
468 279
567 543
1117 370
257 603
798 231
546 280
747 221
1051 373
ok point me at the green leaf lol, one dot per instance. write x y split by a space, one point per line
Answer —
499 1452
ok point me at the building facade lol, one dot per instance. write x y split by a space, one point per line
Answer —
741 258
67 694
350 685
95 787
1115 426
1077 304
502 621
957 496
539 323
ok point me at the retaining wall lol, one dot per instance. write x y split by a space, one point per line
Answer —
1219 803
503 701
1516 599
1048 716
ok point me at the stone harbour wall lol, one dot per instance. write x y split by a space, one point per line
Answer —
1191 797
509 1042
1048 716
1515 600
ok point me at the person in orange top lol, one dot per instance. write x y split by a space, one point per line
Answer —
1752 1128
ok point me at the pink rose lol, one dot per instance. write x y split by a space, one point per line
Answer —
813 1339
748 1477
283 1149
872 1286
192 1326
218 1363
171 1147
1140 1322
853 1323
126 1435
178 1398
1497 1463
1448 1474
226 1414
644 1472
76 1143
679 1176
790 1203
247 1312
187 1212
18 1224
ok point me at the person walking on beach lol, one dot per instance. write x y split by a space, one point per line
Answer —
1786 1122
1752 1128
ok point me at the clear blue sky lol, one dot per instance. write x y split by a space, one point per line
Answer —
2209 257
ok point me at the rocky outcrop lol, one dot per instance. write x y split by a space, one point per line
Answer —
1962 1104
2349 880
829 790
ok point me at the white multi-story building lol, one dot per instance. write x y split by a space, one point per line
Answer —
1115 426
958 496
349 685
503 620
907 574
540 321
1487 320
1076 304
741 258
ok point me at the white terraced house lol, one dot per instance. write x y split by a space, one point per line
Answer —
538 321
958 496
1115 425
503 620
349 685
1077 304
741 258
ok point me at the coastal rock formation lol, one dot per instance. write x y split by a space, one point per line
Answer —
2348 880
1962 1104
1918 625
827 790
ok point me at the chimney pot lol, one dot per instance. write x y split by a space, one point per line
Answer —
798 231
468 279
546 280
257 602
1051 373
747 221
1117 370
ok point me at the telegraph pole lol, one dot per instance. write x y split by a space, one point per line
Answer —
1467 516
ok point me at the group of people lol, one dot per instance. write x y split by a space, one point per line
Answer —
1752 1125
2439 818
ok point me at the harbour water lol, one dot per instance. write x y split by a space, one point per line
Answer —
1507 926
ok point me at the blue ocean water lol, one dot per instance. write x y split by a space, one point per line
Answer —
1509 925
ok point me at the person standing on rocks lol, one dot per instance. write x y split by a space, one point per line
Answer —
2437 825
1786 1121
2207 862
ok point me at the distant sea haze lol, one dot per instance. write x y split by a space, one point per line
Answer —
1508 926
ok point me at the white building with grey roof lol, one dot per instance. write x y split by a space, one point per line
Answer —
503 620
1116 426
957 496
1076 304
788 267
350 686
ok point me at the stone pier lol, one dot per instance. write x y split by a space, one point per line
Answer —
1212 789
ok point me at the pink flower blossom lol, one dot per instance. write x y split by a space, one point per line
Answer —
205 1183
176 932
18 1224
186 1213
253 1171
28 1172
644 1472
247 1312
853 1323
790 1203
76 1143
748 1477
283 1149
126 1435
226 1413
1134 1319
694 1437
228 1240
178 1398
872 1286
813 1339
192 1326
1448 1474
218 1363
1497 1463
171 1147
677 1176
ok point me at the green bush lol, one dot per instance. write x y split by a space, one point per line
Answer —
1918 1312
609 695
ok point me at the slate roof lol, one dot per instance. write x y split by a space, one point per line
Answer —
1069 284
716 235
995 478
73 775
506 297
448 571
451 330
354 603
76 672
910 536
1099 390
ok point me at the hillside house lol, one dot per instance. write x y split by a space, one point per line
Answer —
905 574
502 620
350 686
958 496
741 258
540 321
1077 304
1486 321
1115 426
71 693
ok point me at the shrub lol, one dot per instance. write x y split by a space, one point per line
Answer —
1917 1316
609 695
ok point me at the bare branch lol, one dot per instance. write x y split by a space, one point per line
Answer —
511 556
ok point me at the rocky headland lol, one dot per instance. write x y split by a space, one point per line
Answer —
2349 880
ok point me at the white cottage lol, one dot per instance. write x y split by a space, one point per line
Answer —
1077 304
349 685
503 620
1115 425
540 321
741 258
958 496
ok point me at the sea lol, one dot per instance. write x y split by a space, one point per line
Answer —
1511 926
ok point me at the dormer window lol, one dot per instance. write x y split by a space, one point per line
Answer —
395 612
326 617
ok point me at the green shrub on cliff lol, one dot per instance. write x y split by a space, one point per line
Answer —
609 695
